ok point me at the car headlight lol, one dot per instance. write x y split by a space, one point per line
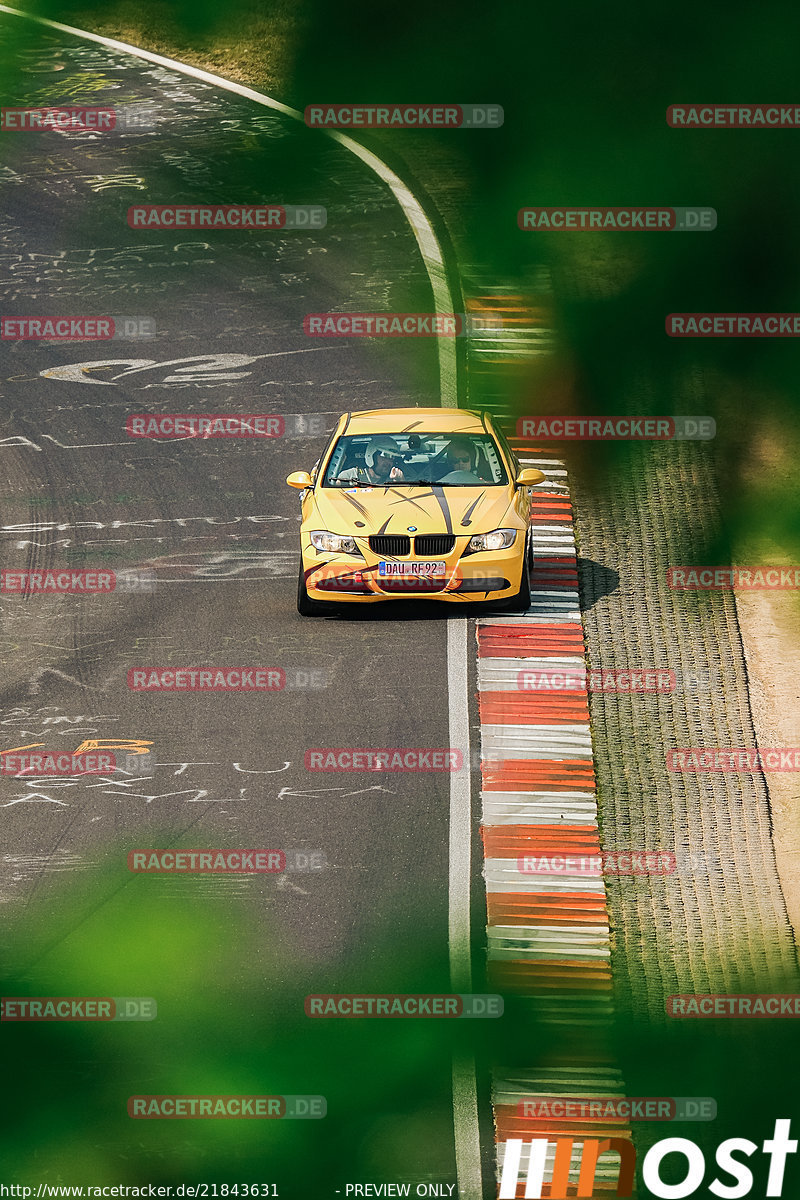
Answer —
333 543
498 539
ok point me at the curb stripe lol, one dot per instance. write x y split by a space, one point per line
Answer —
548 937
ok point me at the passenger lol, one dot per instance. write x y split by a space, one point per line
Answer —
459 456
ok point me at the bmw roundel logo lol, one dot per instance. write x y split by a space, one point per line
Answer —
411 528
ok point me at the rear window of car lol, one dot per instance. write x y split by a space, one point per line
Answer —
453 460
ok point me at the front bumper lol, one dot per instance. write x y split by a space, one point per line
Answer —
476 578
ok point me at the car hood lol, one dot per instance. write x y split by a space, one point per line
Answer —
432 509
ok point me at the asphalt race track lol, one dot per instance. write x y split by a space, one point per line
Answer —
208 531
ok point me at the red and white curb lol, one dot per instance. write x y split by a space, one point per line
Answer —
548 934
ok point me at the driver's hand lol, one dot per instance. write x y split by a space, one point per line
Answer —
395 473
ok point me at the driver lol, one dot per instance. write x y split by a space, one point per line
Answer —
380 459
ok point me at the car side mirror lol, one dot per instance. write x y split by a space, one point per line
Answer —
301 480
529 477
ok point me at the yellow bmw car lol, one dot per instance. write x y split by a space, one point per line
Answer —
410 503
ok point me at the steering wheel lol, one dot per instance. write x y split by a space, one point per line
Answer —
462 477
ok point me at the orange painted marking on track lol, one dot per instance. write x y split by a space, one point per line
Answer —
132 745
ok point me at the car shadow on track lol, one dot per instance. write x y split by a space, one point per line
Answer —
398 610
595 581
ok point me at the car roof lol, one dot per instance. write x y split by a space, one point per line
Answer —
407 420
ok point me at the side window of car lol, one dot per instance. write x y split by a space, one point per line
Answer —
334 463
503 440
354 456
482 467
315 469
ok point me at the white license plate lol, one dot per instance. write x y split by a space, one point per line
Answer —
412 568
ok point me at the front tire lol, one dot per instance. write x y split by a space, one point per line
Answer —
522 601
305 605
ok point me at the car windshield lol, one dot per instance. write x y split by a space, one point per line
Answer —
416 459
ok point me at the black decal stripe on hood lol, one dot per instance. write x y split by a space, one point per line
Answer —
438 492
383 526
465 520
401 499
356 504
